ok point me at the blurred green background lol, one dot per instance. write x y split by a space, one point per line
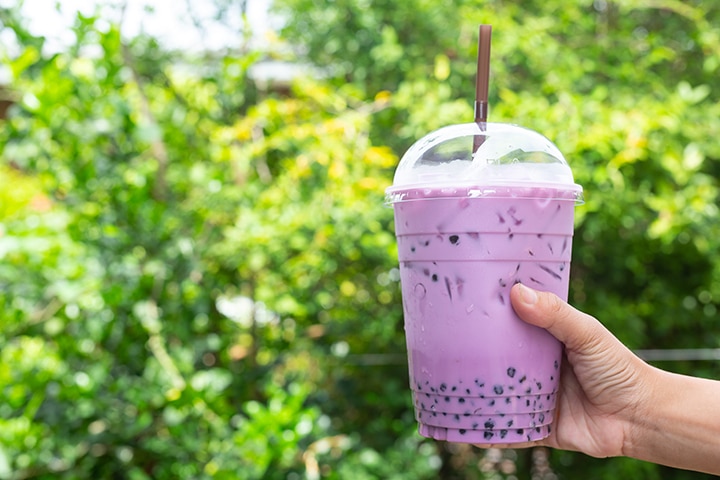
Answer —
197 273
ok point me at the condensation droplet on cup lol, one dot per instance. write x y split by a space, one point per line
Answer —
420 290
470 308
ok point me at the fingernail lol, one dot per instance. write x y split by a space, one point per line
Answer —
528 295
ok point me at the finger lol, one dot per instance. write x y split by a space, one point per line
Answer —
575 329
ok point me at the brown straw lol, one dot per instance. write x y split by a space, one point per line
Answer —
482 80
483 74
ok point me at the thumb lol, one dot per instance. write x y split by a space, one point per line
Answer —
577 330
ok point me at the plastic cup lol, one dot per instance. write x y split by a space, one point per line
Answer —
469 225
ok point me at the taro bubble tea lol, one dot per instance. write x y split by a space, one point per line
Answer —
478 208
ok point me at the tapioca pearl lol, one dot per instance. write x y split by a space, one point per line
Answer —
510 423
512 213
462 431
556 365
539 385
503 433
541 417
488 435
443 387
522 379
434 277
456 417
511 372
489 424
520 431
454 239
461 400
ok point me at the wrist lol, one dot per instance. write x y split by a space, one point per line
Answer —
677 424
641 421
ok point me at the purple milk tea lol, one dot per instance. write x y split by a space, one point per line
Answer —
468 228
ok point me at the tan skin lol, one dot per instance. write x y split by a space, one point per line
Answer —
611 403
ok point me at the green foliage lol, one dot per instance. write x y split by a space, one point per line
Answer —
198 277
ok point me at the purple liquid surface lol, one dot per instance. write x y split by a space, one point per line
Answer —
478 373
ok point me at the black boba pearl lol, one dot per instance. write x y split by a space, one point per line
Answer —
511 372
443 387
503 433
498 389
488 435
462 431
489 425
454 239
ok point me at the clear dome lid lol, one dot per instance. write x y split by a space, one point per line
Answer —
477 159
